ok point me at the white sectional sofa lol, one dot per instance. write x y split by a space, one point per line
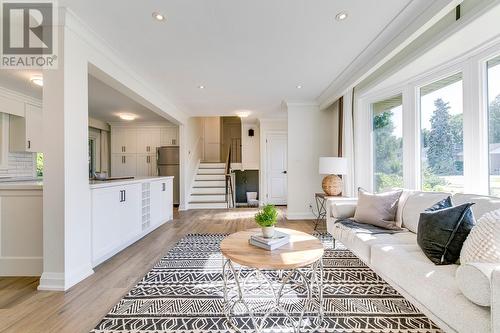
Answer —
398 259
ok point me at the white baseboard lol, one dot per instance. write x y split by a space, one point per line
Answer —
300 216
52 282
78 275
21 266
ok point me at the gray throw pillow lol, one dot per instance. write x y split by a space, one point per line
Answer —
377 209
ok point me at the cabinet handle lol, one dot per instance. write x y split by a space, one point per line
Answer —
163 187
124 195
29 144
121 195
148 149
124 159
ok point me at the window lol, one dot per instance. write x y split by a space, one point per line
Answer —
39 164
388 143
441 124
494 124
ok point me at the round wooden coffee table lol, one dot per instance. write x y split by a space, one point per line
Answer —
293 270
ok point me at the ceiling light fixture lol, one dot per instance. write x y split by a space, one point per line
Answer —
37 80
243 114
299 87
341 16
127 116
158 16
201 87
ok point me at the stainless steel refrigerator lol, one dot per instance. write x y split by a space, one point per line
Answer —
168 165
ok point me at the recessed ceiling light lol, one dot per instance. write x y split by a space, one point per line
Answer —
37 80
299 87
341 16
127 116
158 16
201 87
243 114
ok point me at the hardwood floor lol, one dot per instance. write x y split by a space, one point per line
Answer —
24 309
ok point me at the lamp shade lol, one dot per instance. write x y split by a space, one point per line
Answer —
332 166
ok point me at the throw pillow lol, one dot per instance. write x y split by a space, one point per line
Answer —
483 242
474 281
377 209
445 203
441 233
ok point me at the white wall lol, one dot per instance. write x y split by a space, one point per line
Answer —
310 135
192 152
267 126
250 146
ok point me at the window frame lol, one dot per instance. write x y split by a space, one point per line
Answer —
473 66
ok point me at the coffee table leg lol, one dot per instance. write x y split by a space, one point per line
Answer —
310 278
230 302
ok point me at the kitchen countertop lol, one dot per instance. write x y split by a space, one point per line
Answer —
117 182
32 184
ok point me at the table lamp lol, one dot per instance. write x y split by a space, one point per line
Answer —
332 167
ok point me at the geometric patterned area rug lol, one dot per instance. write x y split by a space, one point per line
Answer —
183 293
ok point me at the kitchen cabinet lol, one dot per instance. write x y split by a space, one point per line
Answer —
123 165
146 165
147 140
25 133
116 219
120 210
161 201
169 136
11 105
123 140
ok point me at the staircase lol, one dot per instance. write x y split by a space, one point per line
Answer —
209 189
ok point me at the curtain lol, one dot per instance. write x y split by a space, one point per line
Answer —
347 124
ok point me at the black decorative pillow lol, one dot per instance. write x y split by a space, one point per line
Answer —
445 203
442 231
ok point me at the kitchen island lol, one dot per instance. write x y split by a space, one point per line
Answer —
125 210
21 227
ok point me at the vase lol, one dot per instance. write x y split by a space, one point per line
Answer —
268 232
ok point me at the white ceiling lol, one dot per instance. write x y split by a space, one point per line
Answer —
248 54
106 103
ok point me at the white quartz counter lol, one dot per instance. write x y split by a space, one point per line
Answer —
21 185
119 182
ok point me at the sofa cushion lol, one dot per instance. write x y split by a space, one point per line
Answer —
433 286
416 203
360 244
442 233
377 209
483 242
401 204
474 280
483 204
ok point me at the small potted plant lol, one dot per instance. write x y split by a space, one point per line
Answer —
267 219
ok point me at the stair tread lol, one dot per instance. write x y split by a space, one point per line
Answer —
207 193
206 202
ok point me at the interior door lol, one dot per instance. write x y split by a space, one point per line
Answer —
277 188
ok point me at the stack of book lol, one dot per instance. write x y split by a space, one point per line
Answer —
279 239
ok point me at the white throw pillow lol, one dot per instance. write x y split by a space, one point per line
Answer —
474 281
483 242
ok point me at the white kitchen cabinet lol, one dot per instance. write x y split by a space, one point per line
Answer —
116 219
161 201
123 140
11 105
123 165
169 136
147 140
146 165
25 133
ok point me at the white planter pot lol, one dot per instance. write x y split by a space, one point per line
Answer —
268 232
